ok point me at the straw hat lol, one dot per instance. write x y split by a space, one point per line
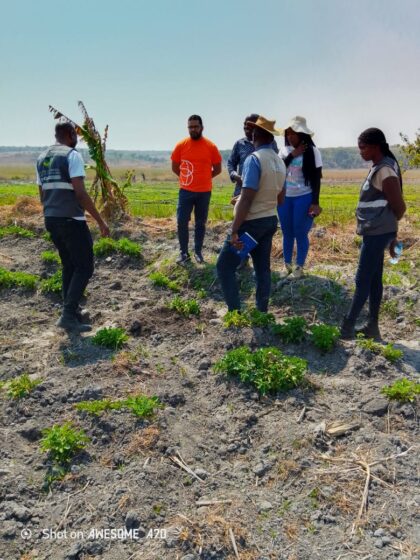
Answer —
265 124
298 124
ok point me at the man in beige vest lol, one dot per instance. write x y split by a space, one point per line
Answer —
255 213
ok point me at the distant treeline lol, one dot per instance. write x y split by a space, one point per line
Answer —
333 158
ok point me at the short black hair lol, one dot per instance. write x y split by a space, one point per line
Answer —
196 118
264 135
63 128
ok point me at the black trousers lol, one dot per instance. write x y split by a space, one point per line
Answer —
75 247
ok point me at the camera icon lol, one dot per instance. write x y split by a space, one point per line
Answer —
26 534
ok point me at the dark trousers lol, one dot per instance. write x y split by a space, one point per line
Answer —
369 275
262 230
75 247
187 201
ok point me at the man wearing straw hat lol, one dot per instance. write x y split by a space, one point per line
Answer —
255 213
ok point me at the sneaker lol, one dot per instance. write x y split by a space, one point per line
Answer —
71 324
287 271
347 331
298 272
198 257
183 258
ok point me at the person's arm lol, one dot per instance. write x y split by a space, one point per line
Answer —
232 164
87 204
392 191
176 167
281 196
217 169
315 209
40 193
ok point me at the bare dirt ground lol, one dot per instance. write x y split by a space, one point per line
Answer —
266 479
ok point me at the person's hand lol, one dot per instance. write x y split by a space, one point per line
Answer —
392 248
238 180
314 210
235 241
298 151
234 200
104 229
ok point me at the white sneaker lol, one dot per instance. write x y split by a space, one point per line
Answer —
287 271
298 272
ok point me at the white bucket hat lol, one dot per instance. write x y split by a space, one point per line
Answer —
298 124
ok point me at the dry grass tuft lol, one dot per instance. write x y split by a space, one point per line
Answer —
144 439
26 206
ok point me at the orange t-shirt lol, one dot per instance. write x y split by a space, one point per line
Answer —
197 158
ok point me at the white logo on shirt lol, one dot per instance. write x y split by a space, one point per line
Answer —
186 174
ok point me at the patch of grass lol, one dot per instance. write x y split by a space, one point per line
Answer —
63 442
47 236
402 390
293 329
392 278
16 231
388 351
390 308
50 257
140 405
324 336
267 369
53 284
185 307
20 387
110 337
162 281
17 279
106 246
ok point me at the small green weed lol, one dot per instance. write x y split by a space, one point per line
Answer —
324 336
63 442
392 278
390 308
17 280
105 246
110 337
20 386
185 307
162 281
268 369
260 319
15 230
53 284
402 390
293 329
236 319
47 236
249 318
140 405
50 257
389 352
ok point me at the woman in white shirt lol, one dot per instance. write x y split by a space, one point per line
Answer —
302 186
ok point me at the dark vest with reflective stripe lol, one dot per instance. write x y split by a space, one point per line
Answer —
58 196
374 216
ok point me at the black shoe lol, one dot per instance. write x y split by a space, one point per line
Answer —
370 330
347 330
183 258
71 324
199 257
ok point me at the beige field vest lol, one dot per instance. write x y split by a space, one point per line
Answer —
273 173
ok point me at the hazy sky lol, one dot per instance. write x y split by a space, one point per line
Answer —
144 66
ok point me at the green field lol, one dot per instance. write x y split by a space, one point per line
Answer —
158 200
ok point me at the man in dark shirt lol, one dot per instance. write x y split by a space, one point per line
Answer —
240 151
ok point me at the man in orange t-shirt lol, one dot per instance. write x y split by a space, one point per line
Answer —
196 161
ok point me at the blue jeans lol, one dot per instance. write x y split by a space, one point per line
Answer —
75 247
262 230
295 224
187 201
369 275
